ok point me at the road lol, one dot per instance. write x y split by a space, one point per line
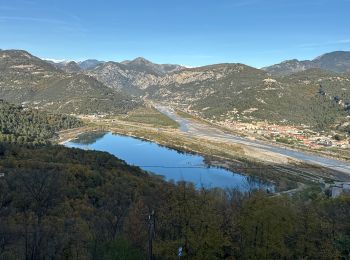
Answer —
198 129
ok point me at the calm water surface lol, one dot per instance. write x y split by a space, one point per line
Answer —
173 165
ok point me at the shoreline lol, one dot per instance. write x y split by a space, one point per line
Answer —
210 160
68 135
276 175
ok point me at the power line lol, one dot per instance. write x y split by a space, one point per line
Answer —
246 167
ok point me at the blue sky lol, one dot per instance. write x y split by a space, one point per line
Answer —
188 32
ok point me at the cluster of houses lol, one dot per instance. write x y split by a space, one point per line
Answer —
302 135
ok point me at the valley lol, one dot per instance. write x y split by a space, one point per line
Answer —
233 114
189 130
207 132
280 165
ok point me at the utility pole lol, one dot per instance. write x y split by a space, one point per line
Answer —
151 225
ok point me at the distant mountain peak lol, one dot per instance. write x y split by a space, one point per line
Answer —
22 58
43 84
337 61
72 66
292 60
138 60
332 54
141 59
89 64
65 65
143 65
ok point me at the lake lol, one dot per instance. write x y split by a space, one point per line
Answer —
171 164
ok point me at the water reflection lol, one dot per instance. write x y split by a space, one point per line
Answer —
89 138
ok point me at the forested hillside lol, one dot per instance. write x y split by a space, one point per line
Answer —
235 92
65 203
26 125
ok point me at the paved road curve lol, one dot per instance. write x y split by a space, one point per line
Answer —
199 129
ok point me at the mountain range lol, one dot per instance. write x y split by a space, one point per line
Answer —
26 79
314 93
232 91
138 64
73 66
338 61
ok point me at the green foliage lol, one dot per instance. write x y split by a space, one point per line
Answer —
119 249
89 137
339 137
190 219
265 225
24 125
150 115
63 203
286 140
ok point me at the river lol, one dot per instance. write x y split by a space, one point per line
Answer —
199 129
173 165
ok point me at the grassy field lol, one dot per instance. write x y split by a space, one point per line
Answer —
151 116
184 114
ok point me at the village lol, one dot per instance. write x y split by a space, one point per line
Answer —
301 135
286 134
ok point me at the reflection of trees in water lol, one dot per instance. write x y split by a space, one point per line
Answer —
168 147
255 182
89 137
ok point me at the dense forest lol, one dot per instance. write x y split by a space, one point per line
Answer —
60 203
26 125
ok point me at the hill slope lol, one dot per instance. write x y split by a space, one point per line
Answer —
61 203
132 76
30 80
89 64
228 92
142 65
231 92
221 92
24 125
338 61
